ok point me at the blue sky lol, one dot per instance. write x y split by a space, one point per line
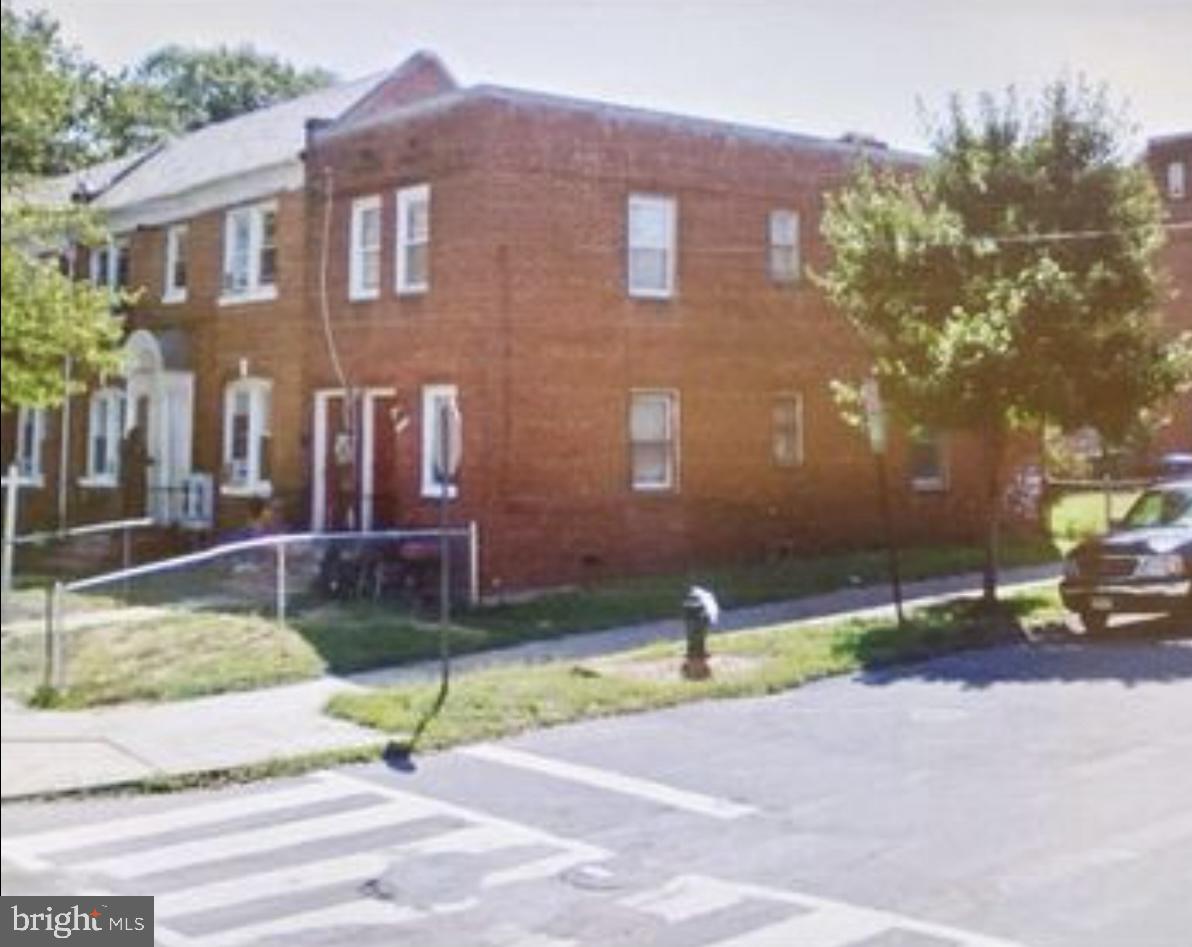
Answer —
818 66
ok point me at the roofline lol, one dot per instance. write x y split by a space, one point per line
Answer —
1169 139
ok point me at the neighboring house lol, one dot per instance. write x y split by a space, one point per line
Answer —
618 302
1169 159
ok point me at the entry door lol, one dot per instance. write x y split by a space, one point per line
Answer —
354 478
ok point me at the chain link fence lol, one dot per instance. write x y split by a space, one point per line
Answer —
260 609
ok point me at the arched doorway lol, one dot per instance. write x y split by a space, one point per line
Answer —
160 393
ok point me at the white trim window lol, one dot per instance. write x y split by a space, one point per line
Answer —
928 461
31 434
413 239
105 429
787 431
250 254
651 226
434 397
1177 180
364 262
174 290
245 437
654 440
784 263
111 263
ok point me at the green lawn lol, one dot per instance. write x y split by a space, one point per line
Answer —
1078 515
498 702
188 653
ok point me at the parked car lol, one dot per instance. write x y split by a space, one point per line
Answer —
1142 566
1174 466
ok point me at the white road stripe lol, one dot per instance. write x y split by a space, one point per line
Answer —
614 782
338 917
821 928
119 830
684 898
256 841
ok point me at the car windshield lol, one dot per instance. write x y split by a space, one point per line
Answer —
1158 508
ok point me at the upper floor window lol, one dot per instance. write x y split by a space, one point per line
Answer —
1177 184
928 460
31 432
784 263
654 440
245 436
413 239
250 253
787 432
440 406
651 264
111 263
104 433
175 276
364 277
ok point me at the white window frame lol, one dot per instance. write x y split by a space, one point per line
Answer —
109 253
940 482
406 197
176 239
357 250
431 395
260 398
253 290
27 454
1177 180
781 218
112 399
800 431
669 207
670 397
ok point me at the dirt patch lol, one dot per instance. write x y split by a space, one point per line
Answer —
669 669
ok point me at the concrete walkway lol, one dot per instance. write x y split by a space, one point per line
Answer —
51 751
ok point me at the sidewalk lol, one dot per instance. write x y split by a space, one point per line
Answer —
51 751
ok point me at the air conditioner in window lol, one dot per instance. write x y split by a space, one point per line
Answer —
198 491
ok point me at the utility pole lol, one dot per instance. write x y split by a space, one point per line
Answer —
875 423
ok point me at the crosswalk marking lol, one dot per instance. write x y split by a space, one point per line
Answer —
254 841
37 847
821 928
685 898
358 913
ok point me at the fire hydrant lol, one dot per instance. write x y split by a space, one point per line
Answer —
700 613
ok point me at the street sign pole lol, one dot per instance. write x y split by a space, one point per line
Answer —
875 422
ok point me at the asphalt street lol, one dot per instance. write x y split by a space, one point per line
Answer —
1028 795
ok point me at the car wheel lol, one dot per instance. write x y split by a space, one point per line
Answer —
1094 623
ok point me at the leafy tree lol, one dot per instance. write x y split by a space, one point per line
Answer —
48 316
210 85
1012 282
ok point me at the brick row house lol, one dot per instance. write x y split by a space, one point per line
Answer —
616 301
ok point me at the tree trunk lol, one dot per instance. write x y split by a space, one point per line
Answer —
994 450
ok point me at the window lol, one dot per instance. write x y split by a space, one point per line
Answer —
31 430
175 282
928 461
413 239
653 440
104 431
111 264
434 399
245 439
1177 184
784 263
651 261
787 436
250 254
364 277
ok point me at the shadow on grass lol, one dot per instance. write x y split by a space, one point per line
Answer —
1131 653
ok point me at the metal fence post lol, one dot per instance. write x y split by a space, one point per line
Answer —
125 558
55 673
10 531
281 583
473 564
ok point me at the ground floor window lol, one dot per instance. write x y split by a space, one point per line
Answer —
928 460
787 432
104 432
31 432
654 440
246 435
440 405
